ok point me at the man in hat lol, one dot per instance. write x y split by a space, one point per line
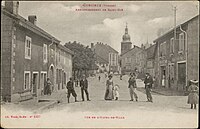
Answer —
132 86
148 81
84 87
70 88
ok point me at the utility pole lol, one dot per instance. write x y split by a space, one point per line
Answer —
174 9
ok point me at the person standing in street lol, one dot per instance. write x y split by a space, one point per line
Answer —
84 88
99 77
120 76
48 87
109 89
70 89
193 97
116 91
132 86
148 81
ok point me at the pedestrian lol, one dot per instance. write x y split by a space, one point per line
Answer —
120 76
70 90
148 81
99 77
193 97
116 91
84 87
109 88
132 86
47 90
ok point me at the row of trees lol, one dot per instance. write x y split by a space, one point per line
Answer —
83 59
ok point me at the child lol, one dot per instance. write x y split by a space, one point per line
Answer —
116 91
193 97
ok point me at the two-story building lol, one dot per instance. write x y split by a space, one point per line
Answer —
106 58
27 56
150 59
177 55
133 60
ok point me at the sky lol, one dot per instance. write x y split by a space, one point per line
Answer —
144 20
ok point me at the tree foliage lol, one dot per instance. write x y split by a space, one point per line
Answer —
84 57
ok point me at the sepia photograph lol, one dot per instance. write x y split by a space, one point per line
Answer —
99 64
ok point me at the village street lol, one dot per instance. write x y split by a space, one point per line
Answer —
164 111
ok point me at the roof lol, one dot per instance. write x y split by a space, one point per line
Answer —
131 49
65 49
151 51
100 59
171 30
26 24
103 50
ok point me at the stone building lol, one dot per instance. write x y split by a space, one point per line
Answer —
150 59
177 56
133 61
28 56
106 58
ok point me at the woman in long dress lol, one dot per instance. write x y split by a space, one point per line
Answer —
193 97
109 89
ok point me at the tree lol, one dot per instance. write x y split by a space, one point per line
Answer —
83 59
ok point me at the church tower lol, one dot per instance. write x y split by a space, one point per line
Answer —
126 41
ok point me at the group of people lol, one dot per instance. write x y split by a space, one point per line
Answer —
84 89
112 91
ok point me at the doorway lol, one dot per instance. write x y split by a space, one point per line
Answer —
51 77
163 76
35 83
182 76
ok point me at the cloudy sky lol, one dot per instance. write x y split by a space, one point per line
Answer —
144 20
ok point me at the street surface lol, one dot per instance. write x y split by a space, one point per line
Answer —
165 111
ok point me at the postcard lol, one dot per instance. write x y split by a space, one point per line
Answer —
99 64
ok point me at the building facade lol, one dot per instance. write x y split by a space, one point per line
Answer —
177 56
133 61
27 56
106 58
150 59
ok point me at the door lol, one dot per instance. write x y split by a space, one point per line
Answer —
51 76
35 84
181 76
163 76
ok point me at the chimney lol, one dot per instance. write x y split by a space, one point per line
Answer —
92 45
12 6
32 19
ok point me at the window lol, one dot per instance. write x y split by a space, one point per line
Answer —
113 59
172 45
64 59
58 56
27 80
52 52
163 49
181 42
45 53
28 48
70 62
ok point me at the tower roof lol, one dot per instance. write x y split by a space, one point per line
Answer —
126 37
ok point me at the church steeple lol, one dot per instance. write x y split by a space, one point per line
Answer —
126 41
126 29
126 37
